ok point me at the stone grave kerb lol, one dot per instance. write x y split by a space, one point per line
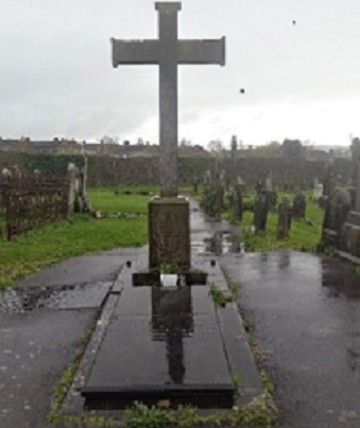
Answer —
169 214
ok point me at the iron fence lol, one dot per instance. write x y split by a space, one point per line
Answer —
33 201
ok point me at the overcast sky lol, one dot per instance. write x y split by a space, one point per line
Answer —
301 80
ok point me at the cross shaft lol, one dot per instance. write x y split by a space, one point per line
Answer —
167 51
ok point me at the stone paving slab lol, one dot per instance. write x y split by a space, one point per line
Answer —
81 297
35 347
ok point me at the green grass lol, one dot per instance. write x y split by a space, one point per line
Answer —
105 200
303 236
49 244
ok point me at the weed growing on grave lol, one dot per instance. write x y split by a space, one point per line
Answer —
219 297
142 416
267 381
236 381
357 270
169 268
234 288
260 412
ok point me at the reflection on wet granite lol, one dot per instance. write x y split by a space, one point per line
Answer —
157 347
172 320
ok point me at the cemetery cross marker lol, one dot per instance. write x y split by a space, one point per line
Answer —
168 51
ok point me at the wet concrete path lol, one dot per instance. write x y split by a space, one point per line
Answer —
306 314
42 322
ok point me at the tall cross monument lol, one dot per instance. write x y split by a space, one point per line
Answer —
168 51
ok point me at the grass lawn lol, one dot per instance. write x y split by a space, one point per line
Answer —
303 236
105 200
46 245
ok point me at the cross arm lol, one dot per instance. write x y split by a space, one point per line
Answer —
201 51
135 52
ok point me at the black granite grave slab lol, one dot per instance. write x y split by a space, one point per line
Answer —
161 344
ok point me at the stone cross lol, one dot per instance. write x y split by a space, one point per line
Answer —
167 52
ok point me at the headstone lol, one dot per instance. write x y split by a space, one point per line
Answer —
269 183
196 183
167 52
233 160
338 207
6 174
299 205
219 199
317 191
234 144
207 178
261 209
237 202
71 176
284 218
349 239
329 181
270 190
260 186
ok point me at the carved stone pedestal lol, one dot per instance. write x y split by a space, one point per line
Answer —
169 233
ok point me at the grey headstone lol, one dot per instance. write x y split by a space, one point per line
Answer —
284 218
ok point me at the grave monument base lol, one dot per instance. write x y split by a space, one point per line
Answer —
350 234
169 233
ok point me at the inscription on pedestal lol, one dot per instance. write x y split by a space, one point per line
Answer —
169 232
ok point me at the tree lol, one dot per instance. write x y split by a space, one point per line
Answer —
215 146
292 149
185 142
270 150
106 139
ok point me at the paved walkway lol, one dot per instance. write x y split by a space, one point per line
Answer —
43 319
306 313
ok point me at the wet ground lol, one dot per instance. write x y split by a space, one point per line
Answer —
306 313
42 322
305 309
